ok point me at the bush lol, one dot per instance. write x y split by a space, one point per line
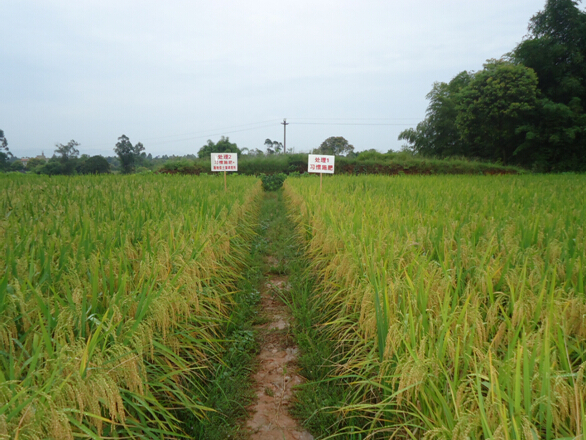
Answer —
272 182
182 166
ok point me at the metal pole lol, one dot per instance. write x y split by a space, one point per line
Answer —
321 175
284 124
225 187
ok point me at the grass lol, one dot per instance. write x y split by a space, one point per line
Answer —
230 390
114 297
312 403
455 303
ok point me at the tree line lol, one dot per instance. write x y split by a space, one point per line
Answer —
66 159
130 158
526 108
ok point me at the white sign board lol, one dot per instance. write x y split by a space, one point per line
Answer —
318 163
224 162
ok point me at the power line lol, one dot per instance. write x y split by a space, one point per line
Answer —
348 123
267 124
197 135
223 132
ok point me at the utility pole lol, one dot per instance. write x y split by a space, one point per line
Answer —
284 124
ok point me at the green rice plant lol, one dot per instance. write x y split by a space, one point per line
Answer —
457 301
112 300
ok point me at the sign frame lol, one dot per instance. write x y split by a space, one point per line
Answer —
226 161
321 163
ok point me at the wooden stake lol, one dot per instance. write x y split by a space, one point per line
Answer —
320 180
225 187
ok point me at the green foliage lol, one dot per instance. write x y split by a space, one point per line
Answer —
17 165
182 166
270 164
437 135
230 389
4 161
222 146
55 167
369 162
527 111
34 162
372 155
116 291
335 145
5 153
556 50
459 318
128 154
273 147
493 106
95 165
68 151
272 182
3 143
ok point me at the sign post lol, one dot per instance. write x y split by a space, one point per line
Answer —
322 164
224 162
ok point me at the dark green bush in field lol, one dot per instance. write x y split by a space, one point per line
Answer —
272 182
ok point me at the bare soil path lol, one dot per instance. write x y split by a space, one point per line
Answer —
277 372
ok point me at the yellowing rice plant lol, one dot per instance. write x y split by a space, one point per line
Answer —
457 301
112 296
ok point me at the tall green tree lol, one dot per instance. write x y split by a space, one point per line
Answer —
222 146
335 145
555 48
3 142
437 134
68 151
496 102
5 153
127 153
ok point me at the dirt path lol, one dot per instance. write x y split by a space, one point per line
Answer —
277 370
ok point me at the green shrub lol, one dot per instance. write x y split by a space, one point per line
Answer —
272 182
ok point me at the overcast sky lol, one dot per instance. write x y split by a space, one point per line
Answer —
174 74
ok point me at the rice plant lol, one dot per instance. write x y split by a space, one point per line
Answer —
457 301
113 293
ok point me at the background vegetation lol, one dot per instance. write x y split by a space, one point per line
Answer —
456 305
114 301
525 109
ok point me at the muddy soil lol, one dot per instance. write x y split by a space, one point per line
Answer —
277 371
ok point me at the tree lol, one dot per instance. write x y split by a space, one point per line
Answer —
337 146
437 134
4 143
127 153
222 146
67 151
555 48
95 165
273 146
34 162
17 165
4 152
496 102
269 145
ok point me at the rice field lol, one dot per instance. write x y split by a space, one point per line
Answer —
457 302
113 294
